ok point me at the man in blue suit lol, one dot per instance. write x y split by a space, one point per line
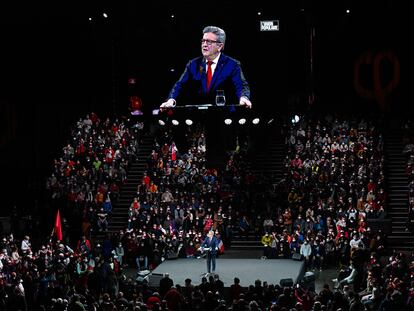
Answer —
206 74
210 245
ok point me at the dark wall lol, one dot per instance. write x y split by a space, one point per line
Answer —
372 26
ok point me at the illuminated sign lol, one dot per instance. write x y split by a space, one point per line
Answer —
269 25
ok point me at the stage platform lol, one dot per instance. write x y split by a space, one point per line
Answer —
247 270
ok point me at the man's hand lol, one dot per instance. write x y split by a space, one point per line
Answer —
168 104
244 101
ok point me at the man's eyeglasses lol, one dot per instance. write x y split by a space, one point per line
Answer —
209 42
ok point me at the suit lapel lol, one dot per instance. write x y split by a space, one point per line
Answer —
203 75
217 72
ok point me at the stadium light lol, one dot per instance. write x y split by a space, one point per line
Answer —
295 119
189 122
228 121
161 122
242 121
175 122
256 121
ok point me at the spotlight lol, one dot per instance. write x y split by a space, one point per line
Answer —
189 122
270 121
175 122
161 122
228 121
295 119
105 15
242 121
90 19
256 121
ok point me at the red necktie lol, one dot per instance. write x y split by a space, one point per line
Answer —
209 74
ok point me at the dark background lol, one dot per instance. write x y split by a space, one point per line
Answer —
57 65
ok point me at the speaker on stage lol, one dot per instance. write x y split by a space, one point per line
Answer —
286 282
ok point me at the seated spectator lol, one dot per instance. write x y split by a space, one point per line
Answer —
84 246
268 224
102 220
235 290
26 246
107 205
356 241
244 226
153 300
340 281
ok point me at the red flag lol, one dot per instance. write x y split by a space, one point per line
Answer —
58 227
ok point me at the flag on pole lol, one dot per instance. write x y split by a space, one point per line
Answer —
58 227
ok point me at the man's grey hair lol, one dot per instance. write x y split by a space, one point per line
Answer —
221 35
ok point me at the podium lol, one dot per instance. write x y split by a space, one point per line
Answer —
220 137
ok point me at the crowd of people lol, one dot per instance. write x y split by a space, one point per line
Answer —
176 204
87 178
333 182
408 151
